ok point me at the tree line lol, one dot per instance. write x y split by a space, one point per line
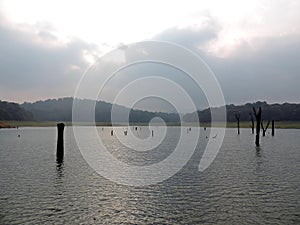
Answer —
13 111
277 112
61 110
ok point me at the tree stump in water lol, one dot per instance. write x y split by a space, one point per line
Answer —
60 141
264 129
252 123
237 116
258 122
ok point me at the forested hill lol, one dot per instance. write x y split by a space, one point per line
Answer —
13 111
277 112
61 110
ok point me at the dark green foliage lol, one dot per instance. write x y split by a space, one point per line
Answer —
51 109
13 111
61 110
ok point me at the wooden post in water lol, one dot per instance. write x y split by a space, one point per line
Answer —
273 128
60 141
252 123
258 121
237 116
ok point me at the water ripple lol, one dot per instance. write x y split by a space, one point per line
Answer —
242 186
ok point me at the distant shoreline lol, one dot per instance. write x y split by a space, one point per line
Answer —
243 124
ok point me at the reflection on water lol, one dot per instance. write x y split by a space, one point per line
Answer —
258 151
244 185
60 167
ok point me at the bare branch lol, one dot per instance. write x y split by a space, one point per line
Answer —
262 125
268 124
254 111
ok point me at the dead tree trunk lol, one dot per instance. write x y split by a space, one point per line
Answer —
264 129
252 122
237 116
258 121
273 128
60 141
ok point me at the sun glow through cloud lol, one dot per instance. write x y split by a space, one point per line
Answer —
64 37
114 22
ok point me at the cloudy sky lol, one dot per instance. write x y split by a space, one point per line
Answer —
253 47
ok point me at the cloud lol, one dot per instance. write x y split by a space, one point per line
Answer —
257 67
35 63
254 58
269 72
195 36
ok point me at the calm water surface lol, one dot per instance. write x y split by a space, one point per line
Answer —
242 186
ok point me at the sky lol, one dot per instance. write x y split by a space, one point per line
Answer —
252 47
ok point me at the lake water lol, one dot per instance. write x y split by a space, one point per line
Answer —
241 186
